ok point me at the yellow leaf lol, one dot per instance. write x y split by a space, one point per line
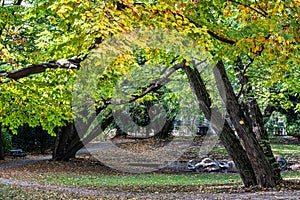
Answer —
122 16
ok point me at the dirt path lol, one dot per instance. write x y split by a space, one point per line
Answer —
26 161
22 162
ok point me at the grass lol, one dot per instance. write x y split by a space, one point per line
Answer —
285 150
131 183
291 175
142 179
145 180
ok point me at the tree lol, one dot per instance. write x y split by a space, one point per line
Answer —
250 41
227 135
242 34
286 105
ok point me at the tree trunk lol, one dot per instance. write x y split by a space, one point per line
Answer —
251 108
166 130
75 143
78 143
62 142
41 138
227 136
262 135
264 172
2 156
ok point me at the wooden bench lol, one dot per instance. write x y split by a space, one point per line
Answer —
18 153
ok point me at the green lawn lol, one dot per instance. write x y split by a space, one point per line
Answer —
286 151
131 183
150 179
142 179
283 150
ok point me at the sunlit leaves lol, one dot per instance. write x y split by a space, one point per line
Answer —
40 100
267 31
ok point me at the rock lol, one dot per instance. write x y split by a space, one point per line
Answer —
210 165
232 167
295 167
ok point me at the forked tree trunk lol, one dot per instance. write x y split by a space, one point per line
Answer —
264 172
227 136
251 108
79 143
70 142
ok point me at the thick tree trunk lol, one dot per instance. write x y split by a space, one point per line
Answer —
2 156
251 108
264 172
227 136
74 143
262 135
62 142
79 143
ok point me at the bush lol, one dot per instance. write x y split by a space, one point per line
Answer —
7 140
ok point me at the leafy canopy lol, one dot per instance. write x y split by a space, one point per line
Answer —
265 33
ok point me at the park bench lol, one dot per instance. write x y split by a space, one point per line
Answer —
18 153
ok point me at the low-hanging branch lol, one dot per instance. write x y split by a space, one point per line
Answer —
72 63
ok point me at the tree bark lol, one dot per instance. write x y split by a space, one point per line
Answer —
62 142
264 172
262 135
227 136
69 144
251 108
78 143
73 63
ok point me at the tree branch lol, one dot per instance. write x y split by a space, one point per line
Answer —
158 83
212 34
241 74
72 63
261 8
259 12
222 39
